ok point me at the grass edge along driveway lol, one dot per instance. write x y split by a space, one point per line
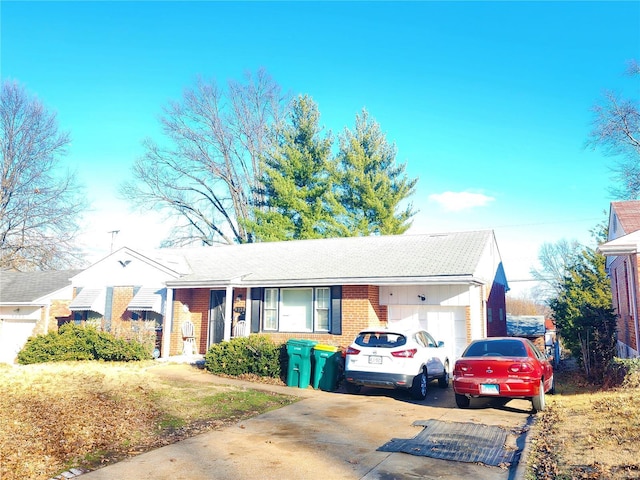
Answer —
58 416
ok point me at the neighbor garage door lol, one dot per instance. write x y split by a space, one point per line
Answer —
443 323
13 336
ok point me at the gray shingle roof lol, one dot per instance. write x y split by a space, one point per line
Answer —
25 287
453 256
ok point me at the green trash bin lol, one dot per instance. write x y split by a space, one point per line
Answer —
299 370
326 369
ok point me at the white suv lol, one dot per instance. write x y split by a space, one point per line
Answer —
386 358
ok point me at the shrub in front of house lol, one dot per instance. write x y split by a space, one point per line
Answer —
255 355
74 342
623 372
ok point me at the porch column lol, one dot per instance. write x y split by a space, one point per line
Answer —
167 323
228 314
247 312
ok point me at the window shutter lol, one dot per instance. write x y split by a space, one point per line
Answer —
336 310
256 308
108 309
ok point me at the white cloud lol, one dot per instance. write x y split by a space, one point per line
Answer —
456 201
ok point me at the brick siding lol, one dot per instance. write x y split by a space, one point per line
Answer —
622 299
360 309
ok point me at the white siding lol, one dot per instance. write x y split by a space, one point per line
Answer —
445 295
447 324
13 336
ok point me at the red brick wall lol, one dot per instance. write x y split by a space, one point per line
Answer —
360 309
120 317
620 272
190 304
59 312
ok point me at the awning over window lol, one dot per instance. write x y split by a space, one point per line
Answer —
150 299
93 299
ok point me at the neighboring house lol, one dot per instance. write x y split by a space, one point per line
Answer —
621 249
31 303
327 290
125 294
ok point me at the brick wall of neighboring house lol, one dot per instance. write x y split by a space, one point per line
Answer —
120 319
620 273
59 313
58 309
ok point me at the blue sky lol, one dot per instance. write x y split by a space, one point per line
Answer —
488 103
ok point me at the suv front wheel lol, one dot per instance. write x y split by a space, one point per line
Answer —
419 386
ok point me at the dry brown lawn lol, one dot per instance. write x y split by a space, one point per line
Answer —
587 433
85 414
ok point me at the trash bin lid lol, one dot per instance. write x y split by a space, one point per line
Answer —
301 342
326 348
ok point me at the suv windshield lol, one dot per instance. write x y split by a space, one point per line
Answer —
380 339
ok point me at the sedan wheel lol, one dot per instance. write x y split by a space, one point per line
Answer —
462 401
538 401
419 386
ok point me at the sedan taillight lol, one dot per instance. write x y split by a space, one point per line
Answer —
405 353
521 368
352 351
461 367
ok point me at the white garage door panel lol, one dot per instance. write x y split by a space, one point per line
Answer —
443 323
13 336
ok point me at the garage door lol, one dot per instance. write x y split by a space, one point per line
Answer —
13 336
443 323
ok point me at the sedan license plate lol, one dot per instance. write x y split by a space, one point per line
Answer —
375 359
489 389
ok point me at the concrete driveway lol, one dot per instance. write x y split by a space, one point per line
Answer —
326 435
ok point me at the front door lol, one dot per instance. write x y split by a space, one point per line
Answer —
217 303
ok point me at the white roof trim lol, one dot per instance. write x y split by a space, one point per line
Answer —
379 281
625 245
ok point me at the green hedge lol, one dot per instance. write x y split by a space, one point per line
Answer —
256 354
73 342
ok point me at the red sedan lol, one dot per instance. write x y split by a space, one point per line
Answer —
504 367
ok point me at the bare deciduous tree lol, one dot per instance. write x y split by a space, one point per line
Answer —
39 206
556 259
204 172
616 129
522 305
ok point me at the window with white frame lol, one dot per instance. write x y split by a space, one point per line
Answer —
323 301
297 309
271 309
